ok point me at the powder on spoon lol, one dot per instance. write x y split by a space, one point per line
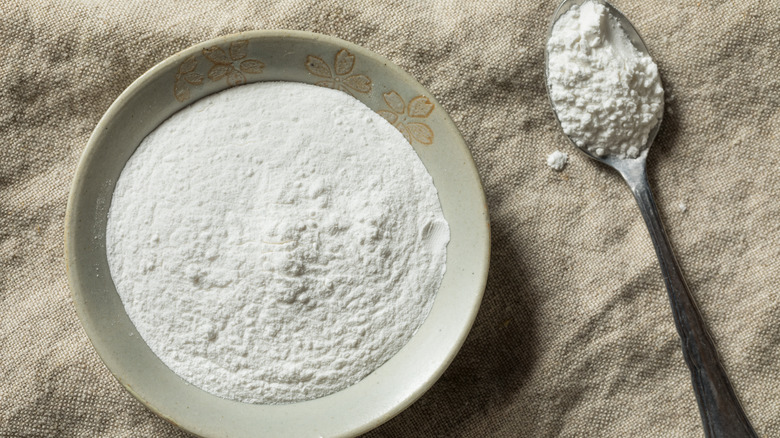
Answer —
276 242
607 95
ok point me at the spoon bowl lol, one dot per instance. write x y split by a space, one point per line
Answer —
721 413
633 165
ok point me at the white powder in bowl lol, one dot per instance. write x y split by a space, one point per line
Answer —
276 242
607 95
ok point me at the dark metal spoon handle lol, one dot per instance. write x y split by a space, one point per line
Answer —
721 413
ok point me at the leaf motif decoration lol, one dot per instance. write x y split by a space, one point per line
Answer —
420 106
251 66
186 75
389 116
326 84
219 71
339 76
344 62
420 132
238 49
181 91
360 83
401 116
318 67
235 77
217 55
404 131
232 68
188 65
229 64
395 102
193 78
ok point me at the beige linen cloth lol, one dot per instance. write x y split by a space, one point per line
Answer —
575 336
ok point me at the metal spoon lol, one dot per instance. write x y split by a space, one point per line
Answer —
721 413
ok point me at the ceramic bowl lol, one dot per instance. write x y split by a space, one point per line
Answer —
230 61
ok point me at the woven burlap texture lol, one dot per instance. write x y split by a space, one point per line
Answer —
575 335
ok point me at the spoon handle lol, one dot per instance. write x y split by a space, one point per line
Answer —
721 413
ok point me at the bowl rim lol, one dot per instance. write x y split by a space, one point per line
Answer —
71 252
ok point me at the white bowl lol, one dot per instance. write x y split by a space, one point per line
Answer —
288 56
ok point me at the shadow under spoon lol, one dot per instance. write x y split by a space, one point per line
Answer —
721 413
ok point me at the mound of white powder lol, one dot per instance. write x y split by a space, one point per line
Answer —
276 242
557 160
607 95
